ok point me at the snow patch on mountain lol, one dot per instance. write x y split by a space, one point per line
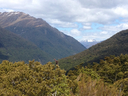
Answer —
89 43
91 40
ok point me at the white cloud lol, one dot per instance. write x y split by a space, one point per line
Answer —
71 10
102 4
115 28
58 23
94 36
15 4
65 14
6 10
103 32
121 11
75 32
86 27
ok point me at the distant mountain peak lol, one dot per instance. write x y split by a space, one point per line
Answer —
25 20
91 40
88 43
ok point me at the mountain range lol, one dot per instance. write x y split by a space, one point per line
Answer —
115 45
89 43
23 37
37 31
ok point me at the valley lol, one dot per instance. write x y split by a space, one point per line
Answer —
37 31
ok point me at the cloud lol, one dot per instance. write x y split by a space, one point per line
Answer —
103 32
75 32
15 4
65 14
58 23
71 10
86 27
102 4
6 10
115 28
99 36
121 11
106 32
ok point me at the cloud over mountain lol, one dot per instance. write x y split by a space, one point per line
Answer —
64 14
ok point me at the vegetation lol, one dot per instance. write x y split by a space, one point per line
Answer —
114 70
14 48
33 79
115 45
107 78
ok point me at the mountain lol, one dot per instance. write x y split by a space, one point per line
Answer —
14 48
36 30
89 43
115 45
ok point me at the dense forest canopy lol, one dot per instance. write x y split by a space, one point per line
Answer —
107 78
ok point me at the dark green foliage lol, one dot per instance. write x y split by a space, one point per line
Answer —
111 71
114 70
35 79
15 48
49 40
115 45
87 82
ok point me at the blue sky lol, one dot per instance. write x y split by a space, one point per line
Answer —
81 19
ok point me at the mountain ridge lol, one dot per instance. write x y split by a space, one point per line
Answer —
38 31
115 45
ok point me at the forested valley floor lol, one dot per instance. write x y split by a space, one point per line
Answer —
107 78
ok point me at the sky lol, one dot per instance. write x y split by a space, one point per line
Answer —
82 19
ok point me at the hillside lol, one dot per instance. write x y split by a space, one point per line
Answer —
36 30
115 45
14 48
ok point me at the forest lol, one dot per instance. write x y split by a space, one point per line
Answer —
109 77
115 45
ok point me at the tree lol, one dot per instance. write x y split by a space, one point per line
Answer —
32 79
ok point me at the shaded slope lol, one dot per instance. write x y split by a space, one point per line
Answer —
41 34
14 48
115 45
